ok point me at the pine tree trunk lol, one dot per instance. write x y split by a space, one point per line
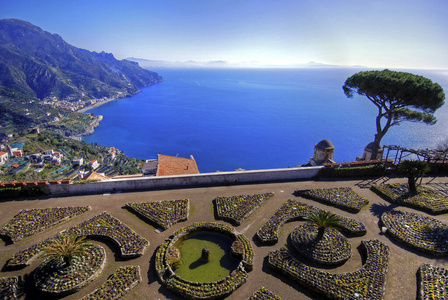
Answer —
412 185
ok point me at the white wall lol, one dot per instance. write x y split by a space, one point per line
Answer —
206 179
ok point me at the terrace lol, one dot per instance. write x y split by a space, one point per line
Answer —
382 268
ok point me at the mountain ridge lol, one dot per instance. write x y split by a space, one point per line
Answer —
35 63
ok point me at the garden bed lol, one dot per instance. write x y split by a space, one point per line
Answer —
8 288
432 282
237 208
293 210
102 226
343 198
55 278
119 283
264 294
367 282
31 221
332 248
417 231
162 213
427 199
203 290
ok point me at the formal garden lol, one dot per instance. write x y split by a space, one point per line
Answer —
344 198
293 210
368 282
418 231
162 213
264 294
432 282
213 260
426 199
32 221
208 287
235 209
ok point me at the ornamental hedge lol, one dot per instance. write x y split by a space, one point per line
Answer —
368 282
203 290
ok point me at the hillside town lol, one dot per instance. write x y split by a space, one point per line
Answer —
19 163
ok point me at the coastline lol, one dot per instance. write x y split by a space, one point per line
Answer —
96 123
99 103
90 130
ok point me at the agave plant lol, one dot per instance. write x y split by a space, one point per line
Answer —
66 247
323 219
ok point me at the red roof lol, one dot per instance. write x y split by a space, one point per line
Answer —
171 165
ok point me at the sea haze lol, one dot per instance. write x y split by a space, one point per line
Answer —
253 118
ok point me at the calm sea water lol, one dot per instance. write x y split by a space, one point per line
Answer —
253 119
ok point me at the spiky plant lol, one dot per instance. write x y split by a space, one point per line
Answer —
66 247
323 219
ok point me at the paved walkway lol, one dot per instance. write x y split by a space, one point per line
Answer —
401 279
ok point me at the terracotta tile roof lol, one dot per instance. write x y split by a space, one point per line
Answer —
171 165
95 176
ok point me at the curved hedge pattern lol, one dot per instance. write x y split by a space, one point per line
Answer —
31 221
120 282
102 225
8 288
433 282
366 283
293 210
203 290
54 278
417 231
332 248
426 199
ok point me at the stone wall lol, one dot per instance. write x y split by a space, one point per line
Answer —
162 182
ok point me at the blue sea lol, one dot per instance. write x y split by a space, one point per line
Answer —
254 118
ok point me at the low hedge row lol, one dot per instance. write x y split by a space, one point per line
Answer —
124 279
366 283
20 191
367 171
432 282
8 288
203 290
264 294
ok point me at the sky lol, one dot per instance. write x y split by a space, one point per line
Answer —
373 33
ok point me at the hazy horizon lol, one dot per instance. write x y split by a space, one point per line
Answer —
401 34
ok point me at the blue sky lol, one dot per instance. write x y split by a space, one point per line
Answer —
376 33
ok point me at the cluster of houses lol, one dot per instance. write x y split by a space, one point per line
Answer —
13 150
12 158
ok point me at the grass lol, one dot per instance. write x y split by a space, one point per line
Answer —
194 268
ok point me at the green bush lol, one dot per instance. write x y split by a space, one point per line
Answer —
20 191
367 171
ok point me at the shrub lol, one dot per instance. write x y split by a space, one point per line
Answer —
367 171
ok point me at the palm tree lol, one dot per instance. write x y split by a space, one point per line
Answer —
66 247
323 219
